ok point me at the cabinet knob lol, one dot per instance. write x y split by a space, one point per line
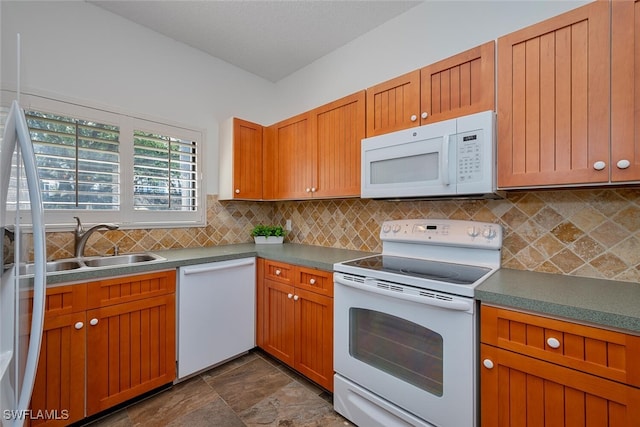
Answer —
553 342
278 272
312 281
78 325
289 296
308 190
414 117
93 322
599 165
623 164
237 191
313 189
487 363
424 115
296 297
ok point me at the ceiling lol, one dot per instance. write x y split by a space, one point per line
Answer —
269 38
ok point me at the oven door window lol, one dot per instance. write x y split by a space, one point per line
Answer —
400 348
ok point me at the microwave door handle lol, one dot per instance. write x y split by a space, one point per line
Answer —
445 160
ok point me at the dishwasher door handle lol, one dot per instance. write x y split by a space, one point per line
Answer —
199 270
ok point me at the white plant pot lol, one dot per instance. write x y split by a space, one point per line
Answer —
268 240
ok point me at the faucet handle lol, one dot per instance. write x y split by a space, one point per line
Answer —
78 225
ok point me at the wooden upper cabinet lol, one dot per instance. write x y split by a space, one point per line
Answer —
553 100
625 91
241 160
338 128
460 85
394 104
456 86
289 159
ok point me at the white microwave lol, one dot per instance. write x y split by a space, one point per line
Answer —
452 158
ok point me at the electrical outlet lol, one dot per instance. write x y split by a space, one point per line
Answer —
287 225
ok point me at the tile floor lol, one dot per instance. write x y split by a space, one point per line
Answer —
252 390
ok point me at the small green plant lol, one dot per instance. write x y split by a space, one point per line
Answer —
268 230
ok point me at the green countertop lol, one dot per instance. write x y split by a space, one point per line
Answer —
600 302
310 256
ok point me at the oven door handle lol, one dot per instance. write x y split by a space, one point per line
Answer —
370 286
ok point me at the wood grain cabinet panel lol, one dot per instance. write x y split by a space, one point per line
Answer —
625 91
104 342
241 160
456 86
539 371
338 128
130 350
553 100
394 104
295 320
460 85
289 159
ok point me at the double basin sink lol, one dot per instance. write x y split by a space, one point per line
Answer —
93 262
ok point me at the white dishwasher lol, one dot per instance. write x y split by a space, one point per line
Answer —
216 313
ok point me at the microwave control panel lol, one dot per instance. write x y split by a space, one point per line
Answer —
469 156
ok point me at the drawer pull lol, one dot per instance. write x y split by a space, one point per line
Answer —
553 343
278 272
487 363
312 281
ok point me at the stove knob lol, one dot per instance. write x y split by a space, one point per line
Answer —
489 233
472 231
386 228
396 228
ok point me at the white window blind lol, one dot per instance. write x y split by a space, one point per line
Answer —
165 174
78 161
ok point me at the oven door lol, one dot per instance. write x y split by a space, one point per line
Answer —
410 163
413 348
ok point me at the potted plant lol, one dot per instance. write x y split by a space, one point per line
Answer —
268 234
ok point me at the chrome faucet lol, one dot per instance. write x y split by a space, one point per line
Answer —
82 236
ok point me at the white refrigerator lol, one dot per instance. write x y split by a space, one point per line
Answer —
21 213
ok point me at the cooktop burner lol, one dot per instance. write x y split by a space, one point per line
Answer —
459 274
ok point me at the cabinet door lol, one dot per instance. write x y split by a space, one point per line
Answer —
553 100
289 159
625 91
460 85
394 104
278 321
247 160
314 337
523 391
338 128
59 382
59 385
130 350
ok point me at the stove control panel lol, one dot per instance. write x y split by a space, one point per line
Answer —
446 232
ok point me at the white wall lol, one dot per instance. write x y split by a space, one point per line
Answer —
425 34
77 51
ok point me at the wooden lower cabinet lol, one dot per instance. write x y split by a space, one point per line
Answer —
94 341
295 324
565 374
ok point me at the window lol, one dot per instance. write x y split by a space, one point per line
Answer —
78 161
164 172
109 167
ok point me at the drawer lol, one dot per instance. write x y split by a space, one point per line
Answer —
278 271
606 353
318 281
130 288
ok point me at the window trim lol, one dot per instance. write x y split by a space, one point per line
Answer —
126 217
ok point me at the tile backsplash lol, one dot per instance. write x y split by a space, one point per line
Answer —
587 232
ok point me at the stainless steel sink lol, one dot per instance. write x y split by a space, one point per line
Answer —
52 266
120 260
